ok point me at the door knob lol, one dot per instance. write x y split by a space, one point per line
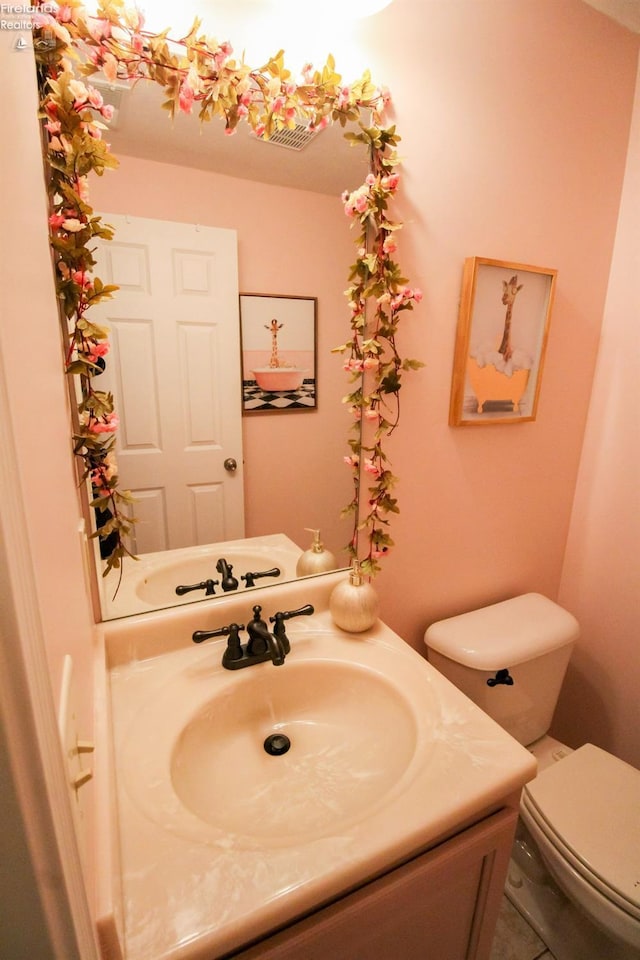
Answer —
230 465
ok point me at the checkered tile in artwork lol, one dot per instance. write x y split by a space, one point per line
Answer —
255 399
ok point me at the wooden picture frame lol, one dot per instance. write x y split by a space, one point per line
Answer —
278 335
501 340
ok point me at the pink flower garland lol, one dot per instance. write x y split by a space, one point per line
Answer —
195 72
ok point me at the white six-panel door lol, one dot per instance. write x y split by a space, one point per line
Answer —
174 370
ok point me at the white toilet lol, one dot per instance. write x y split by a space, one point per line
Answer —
583 808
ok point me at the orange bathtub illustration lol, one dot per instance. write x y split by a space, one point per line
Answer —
491 384
274 379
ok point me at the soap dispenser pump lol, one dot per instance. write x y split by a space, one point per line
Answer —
316 559
353 603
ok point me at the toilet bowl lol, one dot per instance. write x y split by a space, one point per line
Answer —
560 923
584 815
582 811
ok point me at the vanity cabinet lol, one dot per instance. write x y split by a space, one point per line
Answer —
442 905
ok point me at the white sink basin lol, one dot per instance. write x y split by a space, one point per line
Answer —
352 738
358 718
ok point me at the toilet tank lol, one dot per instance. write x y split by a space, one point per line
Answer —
510 658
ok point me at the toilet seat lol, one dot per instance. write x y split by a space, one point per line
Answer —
587 806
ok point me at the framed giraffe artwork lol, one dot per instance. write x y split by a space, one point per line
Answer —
501 341
278 336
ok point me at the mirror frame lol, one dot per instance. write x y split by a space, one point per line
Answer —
70 45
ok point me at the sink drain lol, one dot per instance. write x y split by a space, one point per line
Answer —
276 744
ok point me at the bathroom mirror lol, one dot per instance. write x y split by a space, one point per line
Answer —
323 169
304 449
229 89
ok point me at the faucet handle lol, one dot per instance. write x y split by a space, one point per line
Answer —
304 611
232 631
206 585
278 619
250 578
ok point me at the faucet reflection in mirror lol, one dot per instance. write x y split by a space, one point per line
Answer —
199 72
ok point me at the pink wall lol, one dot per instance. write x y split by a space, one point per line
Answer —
514 120
601 574
289 242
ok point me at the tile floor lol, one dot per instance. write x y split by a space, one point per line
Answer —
515 940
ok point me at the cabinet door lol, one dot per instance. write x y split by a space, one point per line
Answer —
442 905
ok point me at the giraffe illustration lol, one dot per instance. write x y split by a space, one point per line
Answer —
509 292
273 328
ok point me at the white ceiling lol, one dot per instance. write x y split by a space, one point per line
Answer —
327 164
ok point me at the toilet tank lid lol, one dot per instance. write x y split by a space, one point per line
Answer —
504 634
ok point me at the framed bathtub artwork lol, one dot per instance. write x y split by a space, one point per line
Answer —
501 341
278 335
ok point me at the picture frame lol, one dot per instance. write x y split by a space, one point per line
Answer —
501 341
278 336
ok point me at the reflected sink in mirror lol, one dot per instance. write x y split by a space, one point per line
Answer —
150 582
161 577
347 734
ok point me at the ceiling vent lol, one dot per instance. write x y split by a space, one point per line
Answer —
112 93
292 138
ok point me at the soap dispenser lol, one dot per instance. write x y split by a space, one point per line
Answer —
316 559
354 603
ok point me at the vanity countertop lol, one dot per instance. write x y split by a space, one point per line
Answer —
194 896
